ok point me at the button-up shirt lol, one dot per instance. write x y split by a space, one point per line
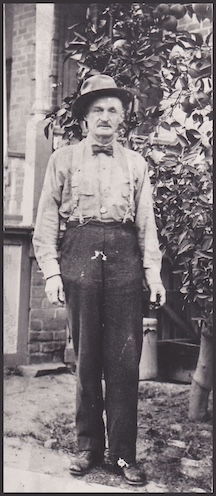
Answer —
81 186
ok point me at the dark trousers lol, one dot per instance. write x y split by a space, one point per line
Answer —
102 275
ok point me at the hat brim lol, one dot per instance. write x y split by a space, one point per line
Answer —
81 104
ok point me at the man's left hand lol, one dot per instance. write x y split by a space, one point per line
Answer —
157 294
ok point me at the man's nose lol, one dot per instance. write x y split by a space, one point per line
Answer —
105 115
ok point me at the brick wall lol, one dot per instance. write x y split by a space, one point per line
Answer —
23 74
47 324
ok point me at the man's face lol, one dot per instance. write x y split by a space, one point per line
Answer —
103 118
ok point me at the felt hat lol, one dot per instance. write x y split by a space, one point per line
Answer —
95 87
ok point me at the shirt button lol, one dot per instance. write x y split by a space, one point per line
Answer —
103 210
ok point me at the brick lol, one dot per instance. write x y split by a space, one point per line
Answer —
50 347
17 52
18 38
28 7
15 80
58 356
27 16
44 314
21 71
36 303
45 303
36 325
19 99
40 358
37 277
34 348
28 36
54 324
60 335
38 281
22 31
61 313
34 336
38 336
20 58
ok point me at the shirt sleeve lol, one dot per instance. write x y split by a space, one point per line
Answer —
46 232
146 227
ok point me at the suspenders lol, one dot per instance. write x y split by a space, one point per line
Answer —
131 188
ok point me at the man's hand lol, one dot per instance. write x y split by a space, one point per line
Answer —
157 294
54 290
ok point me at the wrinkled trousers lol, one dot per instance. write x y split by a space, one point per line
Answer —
102 276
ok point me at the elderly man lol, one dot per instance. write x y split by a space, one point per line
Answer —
102 192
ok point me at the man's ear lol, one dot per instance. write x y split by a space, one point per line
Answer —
122 116
84 127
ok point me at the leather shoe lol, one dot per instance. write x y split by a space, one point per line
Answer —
84 461
132 473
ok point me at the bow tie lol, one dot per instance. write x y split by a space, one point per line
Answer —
102 149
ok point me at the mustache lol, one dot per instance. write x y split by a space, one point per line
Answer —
104 123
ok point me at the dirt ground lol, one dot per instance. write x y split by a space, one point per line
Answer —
175 452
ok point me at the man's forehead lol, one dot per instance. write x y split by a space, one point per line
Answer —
107 101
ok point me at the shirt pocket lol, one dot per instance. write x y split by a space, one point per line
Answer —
87 202
82 196
86 187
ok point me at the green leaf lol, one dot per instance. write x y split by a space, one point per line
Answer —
74 25
46 130
148 63
182 140
68 56
198 38
204 199
185 247
204 255
136 70
181 237
191 136
188 40
175 124
153 79
76 44
155 58
207 243
61 112
208 37
165 125
80 36
184 290
193 73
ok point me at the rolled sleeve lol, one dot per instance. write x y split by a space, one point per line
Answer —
146 227
46 232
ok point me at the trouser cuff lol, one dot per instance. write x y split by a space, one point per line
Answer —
126 456
86 444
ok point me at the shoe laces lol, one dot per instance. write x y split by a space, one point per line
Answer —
122 463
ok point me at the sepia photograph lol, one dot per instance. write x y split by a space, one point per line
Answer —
107 247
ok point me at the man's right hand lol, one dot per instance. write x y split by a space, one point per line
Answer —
54 290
